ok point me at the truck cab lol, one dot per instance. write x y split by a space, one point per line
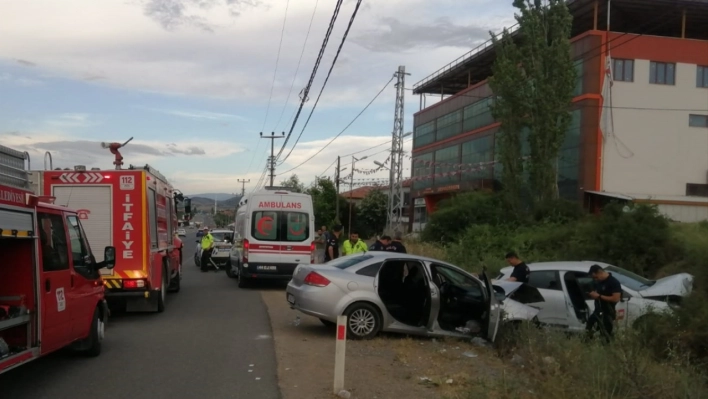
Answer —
51 291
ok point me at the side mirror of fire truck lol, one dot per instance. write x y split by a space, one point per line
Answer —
109 258
187 208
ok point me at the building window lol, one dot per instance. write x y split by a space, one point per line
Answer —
478 115
697 120
623 70
424 134
662 73
579 71
696 190
449 125
447 161
422 170
569 159
701 76
477 155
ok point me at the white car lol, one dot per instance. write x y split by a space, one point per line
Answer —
565 285
223 238
181 232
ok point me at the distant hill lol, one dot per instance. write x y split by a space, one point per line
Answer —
219 196
208 203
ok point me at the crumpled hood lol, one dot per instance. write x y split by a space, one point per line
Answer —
509 287
678 284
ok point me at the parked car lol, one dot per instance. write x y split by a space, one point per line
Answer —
565 286
403 293
223 239
182 232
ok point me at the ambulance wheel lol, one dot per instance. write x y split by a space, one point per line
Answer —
96 335
163 292
229 272
242 281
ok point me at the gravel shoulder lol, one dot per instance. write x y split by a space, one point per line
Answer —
389 366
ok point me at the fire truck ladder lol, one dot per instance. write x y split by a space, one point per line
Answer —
13 171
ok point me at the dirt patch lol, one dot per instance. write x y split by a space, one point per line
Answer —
389 366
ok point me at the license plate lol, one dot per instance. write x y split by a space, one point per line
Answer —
267 268
291 298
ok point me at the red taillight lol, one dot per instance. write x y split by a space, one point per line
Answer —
130 284
245 251
312 252
316 279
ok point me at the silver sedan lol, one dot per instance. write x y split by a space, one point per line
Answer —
402 293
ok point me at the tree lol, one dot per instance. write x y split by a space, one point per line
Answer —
372 212
324 199
533 83
294 184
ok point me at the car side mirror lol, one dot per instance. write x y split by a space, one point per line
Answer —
109 258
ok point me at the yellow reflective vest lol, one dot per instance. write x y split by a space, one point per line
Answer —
349 249
207 241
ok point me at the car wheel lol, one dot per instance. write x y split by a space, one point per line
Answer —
363 321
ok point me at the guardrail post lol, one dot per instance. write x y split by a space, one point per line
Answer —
340 351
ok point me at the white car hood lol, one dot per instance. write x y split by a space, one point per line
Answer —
678 284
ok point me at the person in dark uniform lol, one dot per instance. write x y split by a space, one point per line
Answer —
607 292
332 244
380 244
521 271
396 245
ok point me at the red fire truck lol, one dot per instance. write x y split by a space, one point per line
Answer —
133 210
51 293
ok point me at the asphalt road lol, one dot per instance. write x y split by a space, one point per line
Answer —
213 341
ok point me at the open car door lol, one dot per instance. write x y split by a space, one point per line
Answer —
493 309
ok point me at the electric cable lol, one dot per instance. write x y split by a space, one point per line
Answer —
329 73
345 128
277 60
297 69
306 90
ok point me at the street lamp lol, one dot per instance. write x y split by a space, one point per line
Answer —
351 189
379 164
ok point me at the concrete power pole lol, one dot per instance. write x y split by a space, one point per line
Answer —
395 197
271 159
243 186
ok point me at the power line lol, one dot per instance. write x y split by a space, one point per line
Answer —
277 60
345 128
297 69
334 61
306 90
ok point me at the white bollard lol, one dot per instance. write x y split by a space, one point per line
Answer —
340 351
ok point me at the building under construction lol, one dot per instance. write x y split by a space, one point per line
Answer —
639 133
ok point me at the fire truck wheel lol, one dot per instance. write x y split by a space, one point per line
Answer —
163 292
96 336
176 281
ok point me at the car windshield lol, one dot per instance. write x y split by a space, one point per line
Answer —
348 261
221 236
630 280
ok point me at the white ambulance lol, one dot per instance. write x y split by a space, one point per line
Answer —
274 232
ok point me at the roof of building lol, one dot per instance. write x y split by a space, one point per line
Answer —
677 199
643 17
360 192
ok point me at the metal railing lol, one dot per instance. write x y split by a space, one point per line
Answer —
465 57
13 171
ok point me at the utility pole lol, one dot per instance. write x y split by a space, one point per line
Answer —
395 197
351 191
271 159
243 186
336 183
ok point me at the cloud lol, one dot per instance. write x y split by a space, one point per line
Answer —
69 150
20 81
70 120
214 116
26 63
175 14
395 36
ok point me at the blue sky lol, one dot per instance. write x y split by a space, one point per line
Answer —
191 79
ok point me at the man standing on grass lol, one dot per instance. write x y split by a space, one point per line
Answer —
521 271
607 292
396 245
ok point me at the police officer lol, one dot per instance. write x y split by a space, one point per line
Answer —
207 243
354 245
332 244
607 292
